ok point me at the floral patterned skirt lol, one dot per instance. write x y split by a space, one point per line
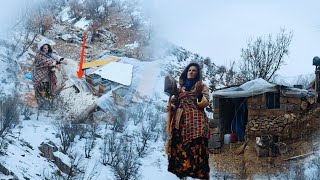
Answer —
43 96
189 158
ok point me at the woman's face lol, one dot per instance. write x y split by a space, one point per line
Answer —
192 72
45 49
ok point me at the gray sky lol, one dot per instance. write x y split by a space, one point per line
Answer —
219 29
9 13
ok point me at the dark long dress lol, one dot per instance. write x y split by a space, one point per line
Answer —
43 96
189 157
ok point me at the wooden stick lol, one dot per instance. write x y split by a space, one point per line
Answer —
299 156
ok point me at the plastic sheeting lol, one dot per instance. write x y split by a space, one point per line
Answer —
295 92
251 88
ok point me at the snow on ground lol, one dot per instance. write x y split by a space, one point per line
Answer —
133 45
64 15
23 160
83 23
27 162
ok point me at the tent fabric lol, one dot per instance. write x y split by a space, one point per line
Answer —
251 88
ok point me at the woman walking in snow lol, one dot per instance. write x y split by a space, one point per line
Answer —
44 77
187 149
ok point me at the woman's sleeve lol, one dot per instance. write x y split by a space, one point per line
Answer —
205 97
45 61
57 57
205 92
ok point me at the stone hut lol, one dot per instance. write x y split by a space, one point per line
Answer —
259 108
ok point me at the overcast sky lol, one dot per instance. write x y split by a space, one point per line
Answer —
10 12
219 29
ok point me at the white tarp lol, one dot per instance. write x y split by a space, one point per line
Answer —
251 88
116 72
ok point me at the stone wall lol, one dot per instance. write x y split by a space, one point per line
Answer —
286 121
262 121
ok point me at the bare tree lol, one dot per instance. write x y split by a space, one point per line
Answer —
93 8
264 57
40 17
127 164
305 80
76 9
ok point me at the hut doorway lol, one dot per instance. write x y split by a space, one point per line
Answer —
234 116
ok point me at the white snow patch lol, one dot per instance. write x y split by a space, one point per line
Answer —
133 45
64 15
83 23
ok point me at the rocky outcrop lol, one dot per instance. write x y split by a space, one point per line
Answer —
47 150
6 172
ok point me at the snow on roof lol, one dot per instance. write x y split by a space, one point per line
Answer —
116 72
251 88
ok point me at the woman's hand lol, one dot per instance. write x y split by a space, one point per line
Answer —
199 87
170 107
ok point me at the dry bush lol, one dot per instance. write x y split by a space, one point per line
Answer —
9 114
67 131
9 118
110 149
147 134
127 165
76 9
90 133
120 121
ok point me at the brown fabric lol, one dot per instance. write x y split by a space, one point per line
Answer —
203 103
178 115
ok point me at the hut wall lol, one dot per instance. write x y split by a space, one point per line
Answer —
278 121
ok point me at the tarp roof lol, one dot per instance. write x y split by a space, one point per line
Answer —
251 88
260 86
116 72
